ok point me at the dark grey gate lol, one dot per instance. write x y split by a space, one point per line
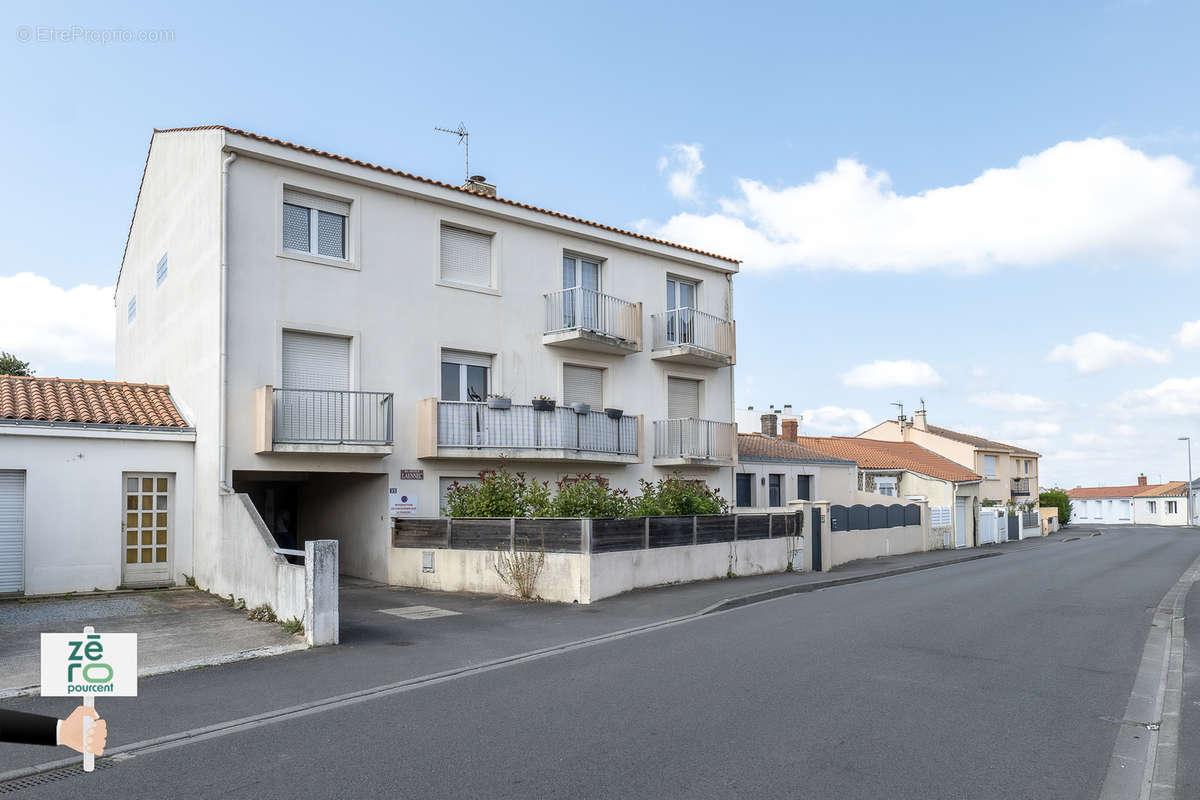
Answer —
816 540
1014 527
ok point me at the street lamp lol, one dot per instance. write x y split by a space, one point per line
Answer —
1190 517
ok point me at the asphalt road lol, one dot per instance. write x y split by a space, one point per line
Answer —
992 678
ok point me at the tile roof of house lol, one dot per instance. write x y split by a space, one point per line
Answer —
356 162
82 401
980 442
1169 489
875 454
756 446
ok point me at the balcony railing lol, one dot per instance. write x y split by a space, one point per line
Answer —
475 425
688 326
582 309
693 438
321 416
1020 487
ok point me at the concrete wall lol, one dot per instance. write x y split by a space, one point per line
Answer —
75 501
252 570
854 545
832 482
564 577
352 509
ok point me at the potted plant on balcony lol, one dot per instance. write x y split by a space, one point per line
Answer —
499 402
614 413
542 403
581 408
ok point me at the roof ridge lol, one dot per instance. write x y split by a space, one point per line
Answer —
83 380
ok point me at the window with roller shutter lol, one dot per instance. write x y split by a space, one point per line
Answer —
683 398
313 224
466 257
583 385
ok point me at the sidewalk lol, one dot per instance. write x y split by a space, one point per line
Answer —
177 629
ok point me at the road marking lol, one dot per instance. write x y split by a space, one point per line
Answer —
419 612
1143 765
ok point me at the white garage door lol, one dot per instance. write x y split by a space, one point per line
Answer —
12 531
960 521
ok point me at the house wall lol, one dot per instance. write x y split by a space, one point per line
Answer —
1104 511
353 509
1143 516
175 336
75 502
400 319
832 482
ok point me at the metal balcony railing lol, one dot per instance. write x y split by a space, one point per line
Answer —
330 416
1020 487
688 326
589 310
693 438
475 425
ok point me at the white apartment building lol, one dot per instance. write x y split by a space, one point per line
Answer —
338 333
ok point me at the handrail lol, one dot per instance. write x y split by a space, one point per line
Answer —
476 425
332 416
689 437
590 310
692 327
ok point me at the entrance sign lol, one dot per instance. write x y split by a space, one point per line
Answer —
88 664
401 504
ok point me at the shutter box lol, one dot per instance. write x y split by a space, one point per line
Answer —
296 197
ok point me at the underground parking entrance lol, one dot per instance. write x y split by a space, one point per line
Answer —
351 507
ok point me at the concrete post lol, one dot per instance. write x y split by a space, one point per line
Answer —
321 592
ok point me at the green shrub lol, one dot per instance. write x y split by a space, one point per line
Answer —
499 493
1058 499
587 495
673 497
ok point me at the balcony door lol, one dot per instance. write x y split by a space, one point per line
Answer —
681 302
581 306
315 378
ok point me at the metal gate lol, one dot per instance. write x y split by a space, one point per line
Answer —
816 540
1014 527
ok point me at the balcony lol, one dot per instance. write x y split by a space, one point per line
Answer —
521 433
688 336
694 442
1020 487
584 319
322 421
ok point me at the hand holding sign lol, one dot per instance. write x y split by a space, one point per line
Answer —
72 735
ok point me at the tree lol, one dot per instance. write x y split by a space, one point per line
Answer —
11 365
1057 498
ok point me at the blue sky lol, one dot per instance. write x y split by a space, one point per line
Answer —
842 149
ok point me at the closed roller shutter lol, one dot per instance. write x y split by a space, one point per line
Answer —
12 531
466 256
583 385
315 361
683 398
298 198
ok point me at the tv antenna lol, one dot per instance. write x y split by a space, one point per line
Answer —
464 138
922 403
901 407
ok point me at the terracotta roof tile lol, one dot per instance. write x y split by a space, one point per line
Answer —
411 176
979 441
1170 489
755 445
874 454
96 402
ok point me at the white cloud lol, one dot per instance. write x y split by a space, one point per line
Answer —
834 420
1124 430
1092 352
1172 397
1088 439
682 166
1022 428
885 374
51 327
1092 200
1189 335
1006 401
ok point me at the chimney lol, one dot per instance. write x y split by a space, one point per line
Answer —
1142 479
479 185
919 420
770 424
791 429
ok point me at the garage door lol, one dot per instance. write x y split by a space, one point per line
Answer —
12 531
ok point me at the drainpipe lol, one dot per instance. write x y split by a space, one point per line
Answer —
732 389
222 455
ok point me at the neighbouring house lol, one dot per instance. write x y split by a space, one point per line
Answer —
95 486
774 470
1142 503
1010 473
353 339
905 470
1050 523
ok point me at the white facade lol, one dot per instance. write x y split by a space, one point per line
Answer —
411 294
69 487
784 480
1130 510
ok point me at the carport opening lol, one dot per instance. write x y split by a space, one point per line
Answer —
351 507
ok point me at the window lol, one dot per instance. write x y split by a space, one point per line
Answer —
583 385
315 361
1152 507
314 225
444 485
681 303
465 376
160 273
744 483
581 307
132 307
775 489
1172 507
466 257
989 466
683 398
886 485
804 487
